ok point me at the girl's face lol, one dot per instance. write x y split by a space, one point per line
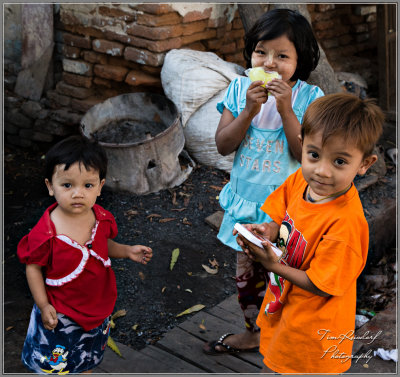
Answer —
277 55
75 189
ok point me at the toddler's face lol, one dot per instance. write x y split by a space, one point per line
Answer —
331 167
75 189
277 55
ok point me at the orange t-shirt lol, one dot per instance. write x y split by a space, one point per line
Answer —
302 332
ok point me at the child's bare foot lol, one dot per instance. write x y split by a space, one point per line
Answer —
231 343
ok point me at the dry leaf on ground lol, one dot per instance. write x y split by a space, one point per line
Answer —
174 258
113 346
211 271
194 308
167 219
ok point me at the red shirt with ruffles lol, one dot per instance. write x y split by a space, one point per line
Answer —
79 280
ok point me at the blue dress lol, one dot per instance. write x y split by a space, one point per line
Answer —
262 161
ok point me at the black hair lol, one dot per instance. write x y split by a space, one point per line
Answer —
76 149
278 22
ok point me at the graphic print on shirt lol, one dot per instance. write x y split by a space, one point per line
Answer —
293 245
269 150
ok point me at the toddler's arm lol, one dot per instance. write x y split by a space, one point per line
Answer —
36 285
137 253
231 130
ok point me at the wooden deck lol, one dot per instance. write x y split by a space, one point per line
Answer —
180 350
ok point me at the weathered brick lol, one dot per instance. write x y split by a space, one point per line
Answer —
216 22
352 19
156 46
363 10
94 57
10 128
120 14
77 80
371 18
58 99
209 34
194 27
156 8
77 41
65 116
71 52
26 133
19 141
345 40
362 37
108 47
160 20
323 25
144 57
330 43
110 72
137 78
17 119
78 67
198 46
360 28
155 33
213 44
84 105
42 137
31 108
325 7
73 91
102 82
235 34
112 35
197 15
88 32
228 48
54 128
237 24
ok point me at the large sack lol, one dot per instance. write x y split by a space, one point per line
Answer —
200 135
190 78
195 81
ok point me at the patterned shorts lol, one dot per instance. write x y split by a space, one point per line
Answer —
66 349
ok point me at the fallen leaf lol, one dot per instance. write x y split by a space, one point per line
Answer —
178 209
190 273
163 289
167 219
9 328
186 222
218 188
212 271
131 212
119 313
153 215
112 324
188 290
202 325
141 275
174 202
186 201
178 286
113 346
213 262
200 206
174 258
194 308
365 365
134 327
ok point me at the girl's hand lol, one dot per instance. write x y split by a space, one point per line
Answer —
140 254
282 92
256 95
49 317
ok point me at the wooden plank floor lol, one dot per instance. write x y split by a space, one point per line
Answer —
180 350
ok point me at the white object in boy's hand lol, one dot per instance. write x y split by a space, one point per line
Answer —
256 238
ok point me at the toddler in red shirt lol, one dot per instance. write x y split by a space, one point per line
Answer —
68 268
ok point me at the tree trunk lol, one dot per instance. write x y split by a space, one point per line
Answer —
323 76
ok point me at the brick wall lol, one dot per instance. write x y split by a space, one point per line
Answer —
105 50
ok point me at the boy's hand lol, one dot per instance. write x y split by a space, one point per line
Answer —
256 95
140 254
49 317
267 230
265 256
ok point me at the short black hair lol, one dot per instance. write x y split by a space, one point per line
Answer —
277 22
76 149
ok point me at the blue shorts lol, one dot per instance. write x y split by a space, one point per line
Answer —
66 349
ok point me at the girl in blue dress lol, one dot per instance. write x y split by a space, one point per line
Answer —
263 126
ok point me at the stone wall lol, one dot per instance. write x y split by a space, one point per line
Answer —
108 49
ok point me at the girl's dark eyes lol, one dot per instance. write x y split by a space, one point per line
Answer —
67 185
340 161
313 155
88 185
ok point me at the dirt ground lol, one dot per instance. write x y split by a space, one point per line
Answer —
152 295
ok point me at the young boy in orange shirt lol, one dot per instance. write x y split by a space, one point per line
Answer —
308 313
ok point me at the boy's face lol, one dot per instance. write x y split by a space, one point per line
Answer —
331 167
75 189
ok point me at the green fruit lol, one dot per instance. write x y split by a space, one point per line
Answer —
258 74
